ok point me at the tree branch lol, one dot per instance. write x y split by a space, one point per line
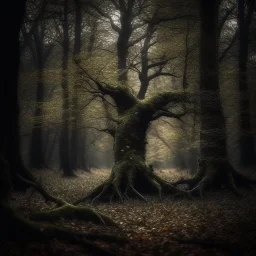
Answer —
224 19
28 35
159 63
160 73
115 4
166 113
231 44
105 15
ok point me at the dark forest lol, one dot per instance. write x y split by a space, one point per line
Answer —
128 127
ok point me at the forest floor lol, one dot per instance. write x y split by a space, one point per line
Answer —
219 224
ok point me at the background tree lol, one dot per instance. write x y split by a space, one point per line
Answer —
40 53
77 138
64 144
215 169
247 145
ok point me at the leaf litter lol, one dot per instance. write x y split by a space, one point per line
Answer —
215 225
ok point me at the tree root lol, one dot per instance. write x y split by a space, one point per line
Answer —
66 210
15 227
131 179
69 211
39 188
216 174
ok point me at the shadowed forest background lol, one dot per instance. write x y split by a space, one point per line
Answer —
128 127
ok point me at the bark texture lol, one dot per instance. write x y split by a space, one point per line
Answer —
215 170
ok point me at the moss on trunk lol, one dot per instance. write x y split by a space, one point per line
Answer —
131 176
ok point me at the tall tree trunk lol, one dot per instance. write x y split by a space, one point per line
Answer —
13 226
76 118
82 164
185 71
247 146
123 39
10 159
36 146
213 132
64 148
214 169
9 106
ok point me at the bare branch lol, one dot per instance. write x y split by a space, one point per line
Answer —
28 35
105 15
231 44
135 41
114 2
159 73
224 18
166 113
167 19
159 63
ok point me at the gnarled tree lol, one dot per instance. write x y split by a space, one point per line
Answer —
130 174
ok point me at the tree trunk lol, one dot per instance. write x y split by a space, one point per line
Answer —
13 226
10 159
212 133
130 174
36 147
247 147
215 170
76 135
82 164
123 40
64 135
9 109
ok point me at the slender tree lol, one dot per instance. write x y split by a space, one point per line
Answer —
77 138
247 145
40 54
64 143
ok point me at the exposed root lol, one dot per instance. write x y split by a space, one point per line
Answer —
42 191
66 210
118 193
216 174
72 212
132 179
15 227
195 179
138 194
103 192
98 190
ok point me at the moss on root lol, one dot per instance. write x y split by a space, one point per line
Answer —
69 211
16 228
131 177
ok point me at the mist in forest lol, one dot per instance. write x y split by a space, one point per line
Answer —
129 127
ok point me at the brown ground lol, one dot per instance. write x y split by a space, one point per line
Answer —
219 224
